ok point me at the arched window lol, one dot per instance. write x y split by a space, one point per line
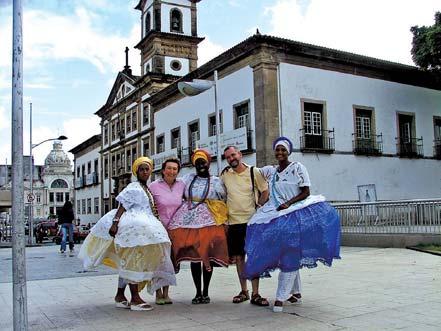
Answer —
148 22
175 20
59 183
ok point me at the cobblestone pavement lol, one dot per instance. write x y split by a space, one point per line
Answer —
369 289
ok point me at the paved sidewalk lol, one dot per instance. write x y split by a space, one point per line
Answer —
369 289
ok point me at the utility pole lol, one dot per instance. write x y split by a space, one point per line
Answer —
20 309
31 182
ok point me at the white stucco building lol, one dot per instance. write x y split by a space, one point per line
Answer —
365 128
87 172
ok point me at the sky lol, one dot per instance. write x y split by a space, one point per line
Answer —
73 49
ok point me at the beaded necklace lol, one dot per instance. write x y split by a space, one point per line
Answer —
153 206
204 195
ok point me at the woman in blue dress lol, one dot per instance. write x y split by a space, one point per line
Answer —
292 230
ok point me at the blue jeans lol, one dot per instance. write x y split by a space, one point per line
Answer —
65 228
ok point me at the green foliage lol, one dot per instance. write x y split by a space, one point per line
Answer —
426 45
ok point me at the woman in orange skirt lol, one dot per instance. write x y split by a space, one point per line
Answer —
196 230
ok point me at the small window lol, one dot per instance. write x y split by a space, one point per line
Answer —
114 165
96 203
176 65
241 115
175 20
89 206
146 147
106 134
106 167
38 198
78 207
134 153
145 114
78 172
113 129
95 165
212 124
89 167
59 196
176 138
129 160
129 122
66 196
51 196
83 206
157 19
160 144
148 22
59 183
134 120
193 135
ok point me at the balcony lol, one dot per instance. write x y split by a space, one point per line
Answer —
367 146
319 143
437 149
92 178
410 147
79 183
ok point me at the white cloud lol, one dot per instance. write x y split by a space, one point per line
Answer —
48 36
207 50
374 28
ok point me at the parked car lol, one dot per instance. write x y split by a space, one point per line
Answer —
78 235
45 230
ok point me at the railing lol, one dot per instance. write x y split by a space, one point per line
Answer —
391 217
322 143
367 146
437 149
410 147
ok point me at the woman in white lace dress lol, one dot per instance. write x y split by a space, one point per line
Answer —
132 240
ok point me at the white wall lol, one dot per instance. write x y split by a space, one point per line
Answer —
232 89
185 66
338 175
88 192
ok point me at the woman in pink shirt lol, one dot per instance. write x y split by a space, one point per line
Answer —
167 193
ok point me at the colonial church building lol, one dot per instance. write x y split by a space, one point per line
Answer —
365 128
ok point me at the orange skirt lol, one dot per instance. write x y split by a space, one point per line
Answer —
207 244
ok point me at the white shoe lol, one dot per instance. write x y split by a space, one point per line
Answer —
278 309
141 307
122 304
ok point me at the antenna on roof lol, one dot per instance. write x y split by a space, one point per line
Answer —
257 32
127 69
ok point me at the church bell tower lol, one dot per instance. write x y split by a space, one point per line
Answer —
169 39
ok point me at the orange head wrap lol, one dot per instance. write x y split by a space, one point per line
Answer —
139 161
200 154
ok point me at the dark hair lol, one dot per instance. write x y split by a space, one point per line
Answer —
67 205
173 160
230 146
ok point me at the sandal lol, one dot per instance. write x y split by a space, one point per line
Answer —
257 300
122 304
141 307
241 297
295 299
197 300
205 299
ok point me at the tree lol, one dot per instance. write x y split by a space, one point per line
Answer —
426 45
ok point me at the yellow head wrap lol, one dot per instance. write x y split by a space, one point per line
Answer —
139 161
200 154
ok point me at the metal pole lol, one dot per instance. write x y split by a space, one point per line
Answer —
218 148
20 309
31 181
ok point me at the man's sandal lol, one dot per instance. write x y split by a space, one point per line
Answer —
257 300
241 297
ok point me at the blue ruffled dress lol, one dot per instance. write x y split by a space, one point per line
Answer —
299 236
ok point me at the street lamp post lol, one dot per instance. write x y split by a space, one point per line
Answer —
31 178
196 87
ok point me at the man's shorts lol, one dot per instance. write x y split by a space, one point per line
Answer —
236 239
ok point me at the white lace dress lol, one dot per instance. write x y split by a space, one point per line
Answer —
141 248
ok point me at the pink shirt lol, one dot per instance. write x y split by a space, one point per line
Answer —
167 199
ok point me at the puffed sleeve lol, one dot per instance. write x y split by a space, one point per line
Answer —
130 196
267 171
220 188
303 175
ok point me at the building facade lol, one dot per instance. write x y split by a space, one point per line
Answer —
52 183
87 174
366 129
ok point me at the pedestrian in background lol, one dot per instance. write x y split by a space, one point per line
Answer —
65 219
